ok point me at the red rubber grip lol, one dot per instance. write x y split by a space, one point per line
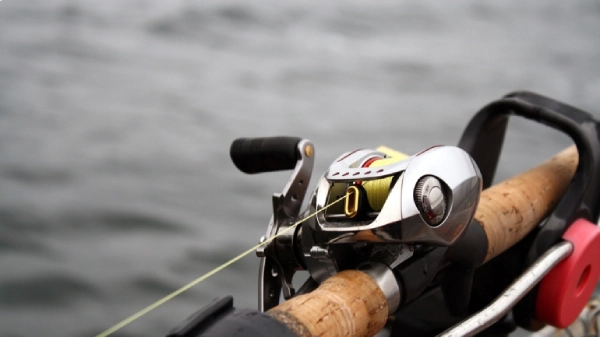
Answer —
564 292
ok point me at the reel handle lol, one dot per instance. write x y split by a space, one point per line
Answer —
351 303
266 154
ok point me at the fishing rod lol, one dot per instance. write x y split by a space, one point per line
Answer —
423 245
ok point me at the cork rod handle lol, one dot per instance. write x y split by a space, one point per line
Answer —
347 304
508 211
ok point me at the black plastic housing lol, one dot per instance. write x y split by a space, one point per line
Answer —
268 154
221 319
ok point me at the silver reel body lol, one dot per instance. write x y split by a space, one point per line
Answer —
390 207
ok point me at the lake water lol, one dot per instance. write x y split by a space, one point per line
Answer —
116 117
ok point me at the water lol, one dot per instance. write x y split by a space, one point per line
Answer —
116 118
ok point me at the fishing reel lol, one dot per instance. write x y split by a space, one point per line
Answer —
371 205
409 224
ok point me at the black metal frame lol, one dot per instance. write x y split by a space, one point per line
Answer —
483 139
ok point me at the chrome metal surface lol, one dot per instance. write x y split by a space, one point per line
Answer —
386 281
295 190
321 265
400 219
493 312
348 167
286 205
450 184
430 200
319 252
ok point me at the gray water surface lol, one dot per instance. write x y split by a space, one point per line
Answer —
116 117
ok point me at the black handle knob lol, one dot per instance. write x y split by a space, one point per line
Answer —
268 154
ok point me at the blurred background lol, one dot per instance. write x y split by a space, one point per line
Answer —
116 117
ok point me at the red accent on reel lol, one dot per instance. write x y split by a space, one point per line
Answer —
564 292
371 161
368 164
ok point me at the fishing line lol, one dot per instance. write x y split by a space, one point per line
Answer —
163 300
378 190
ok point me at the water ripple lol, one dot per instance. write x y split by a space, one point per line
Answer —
47 290
126 222
37 175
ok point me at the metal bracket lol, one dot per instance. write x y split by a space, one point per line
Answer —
275 270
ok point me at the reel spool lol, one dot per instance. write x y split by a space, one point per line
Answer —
376 191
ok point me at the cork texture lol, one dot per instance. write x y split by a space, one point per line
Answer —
349 304
511 209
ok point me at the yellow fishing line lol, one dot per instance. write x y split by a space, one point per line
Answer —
378 190
163 300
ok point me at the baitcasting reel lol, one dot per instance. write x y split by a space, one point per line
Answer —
409 223
370 205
